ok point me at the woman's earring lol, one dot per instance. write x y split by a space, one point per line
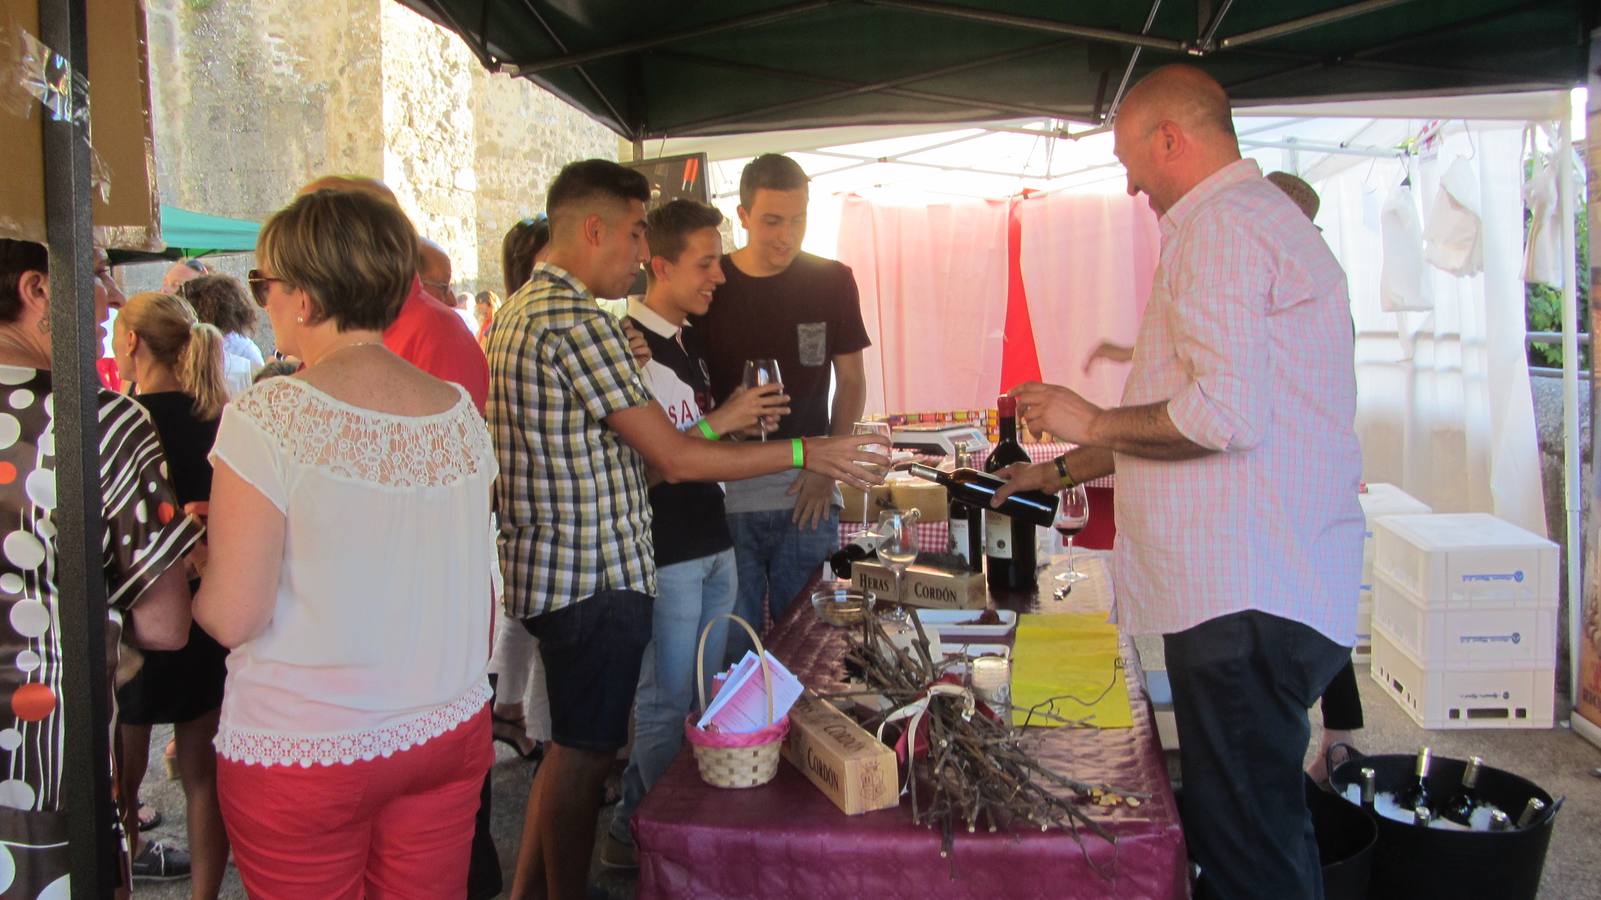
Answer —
300 320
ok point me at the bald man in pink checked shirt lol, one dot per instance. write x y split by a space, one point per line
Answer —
1239 532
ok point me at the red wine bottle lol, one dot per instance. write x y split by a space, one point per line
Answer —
966 528
1009 550
861 547
976 488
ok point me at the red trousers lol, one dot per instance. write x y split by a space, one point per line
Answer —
400 826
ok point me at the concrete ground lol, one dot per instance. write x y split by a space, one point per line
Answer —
1556 759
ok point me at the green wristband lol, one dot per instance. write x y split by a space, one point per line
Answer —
706 430
797 452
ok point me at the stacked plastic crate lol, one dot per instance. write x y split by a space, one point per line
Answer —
1464 620
1378 500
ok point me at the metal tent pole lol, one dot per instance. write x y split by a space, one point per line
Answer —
1570 394
1586 722
84 705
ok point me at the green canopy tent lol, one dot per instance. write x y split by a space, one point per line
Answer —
734 66
189 234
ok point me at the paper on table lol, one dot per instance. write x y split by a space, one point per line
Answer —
1072 658
740 707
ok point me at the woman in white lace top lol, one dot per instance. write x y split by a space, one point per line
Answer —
350 575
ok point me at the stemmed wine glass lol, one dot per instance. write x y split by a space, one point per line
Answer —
899 549
757 373
883 446
1072 514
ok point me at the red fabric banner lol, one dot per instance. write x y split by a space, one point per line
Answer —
1020 360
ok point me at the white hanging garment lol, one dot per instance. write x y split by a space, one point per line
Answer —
1542 255
1402 285
1454 239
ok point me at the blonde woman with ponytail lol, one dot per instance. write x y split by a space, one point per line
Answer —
174 363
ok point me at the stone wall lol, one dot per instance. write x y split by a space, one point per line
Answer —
253 98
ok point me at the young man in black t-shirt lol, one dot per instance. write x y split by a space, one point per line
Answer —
803 311
693 549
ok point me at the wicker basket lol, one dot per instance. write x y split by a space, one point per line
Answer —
735 760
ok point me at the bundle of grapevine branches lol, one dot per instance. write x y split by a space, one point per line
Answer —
976 771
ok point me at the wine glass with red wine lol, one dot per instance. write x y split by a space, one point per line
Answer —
1072 514
757 373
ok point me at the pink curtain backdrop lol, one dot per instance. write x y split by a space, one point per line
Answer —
1088 258
933 282
933 287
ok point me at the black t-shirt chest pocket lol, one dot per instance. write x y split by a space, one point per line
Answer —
811 343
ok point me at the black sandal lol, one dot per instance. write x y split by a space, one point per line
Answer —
149 817
520 725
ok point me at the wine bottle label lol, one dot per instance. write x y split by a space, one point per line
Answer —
958 538
997 535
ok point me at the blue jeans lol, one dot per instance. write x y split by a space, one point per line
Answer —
688 595
776 559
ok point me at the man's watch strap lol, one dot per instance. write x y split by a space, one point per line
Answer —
1062 472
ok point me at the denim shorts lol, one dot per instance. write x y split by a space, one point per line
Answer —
592 651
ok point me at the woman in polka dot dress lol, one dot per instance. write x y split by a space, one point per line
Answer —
175 363
146 538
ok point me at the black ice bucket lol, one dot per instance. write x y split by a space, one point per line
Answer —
1410 862
1346 837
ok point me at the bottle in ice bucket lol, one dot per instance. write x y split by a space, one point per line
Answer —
1531 812
1499 821
1460 807
1416 794
1370 787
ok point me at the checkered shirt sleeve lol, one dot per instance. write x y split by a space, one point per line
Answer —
572 497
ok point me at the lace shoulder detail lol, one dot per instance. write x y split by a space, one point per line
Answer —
316 430
265 748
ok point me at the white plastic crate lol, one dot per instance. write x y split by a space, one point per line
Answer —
1463 698
1485 635
1464 559
1380 500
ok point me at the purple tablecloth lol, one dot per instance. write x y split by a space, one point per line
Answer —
786 839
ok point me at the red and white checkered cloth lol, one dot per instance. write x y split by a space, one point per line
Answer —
1043 452
931 536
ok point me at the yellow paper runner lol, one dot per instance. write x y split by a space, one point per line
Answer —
1072 657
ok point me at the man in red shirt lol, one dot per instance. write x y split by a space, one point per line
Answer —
428 334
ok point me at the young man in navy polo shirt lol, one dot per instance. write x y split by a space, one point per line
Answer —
695 572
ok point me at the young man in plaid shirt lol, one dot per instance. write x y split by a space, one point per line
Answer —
575 432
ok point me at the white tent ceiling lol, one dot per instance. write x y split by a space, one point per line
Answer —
1000 159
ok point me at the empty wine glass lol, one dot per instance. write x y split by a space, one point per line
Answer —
757 373
882 430
899 549
1072 514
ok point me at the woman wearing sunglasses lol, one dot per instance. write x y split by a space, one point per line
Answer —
349 573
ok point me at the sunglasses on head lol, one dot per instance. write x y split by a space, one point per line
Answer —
258 285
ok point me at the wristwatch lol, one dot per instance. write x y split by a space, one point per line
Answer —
1062 473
